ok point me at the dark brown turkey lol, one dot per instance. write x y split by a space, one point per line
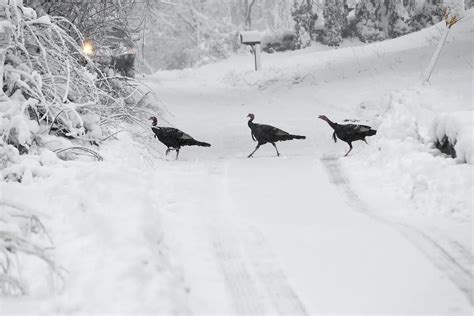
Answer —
349 132
173 138
263 134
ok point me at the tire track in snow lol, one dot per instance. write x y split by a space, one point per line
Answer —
266 265
449 256
241 284
253 275
243 288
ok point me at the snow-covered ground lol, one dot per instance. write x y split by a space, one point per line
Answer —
386 230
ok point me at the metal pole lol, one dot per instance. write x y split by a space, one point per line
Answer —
257 57
254 56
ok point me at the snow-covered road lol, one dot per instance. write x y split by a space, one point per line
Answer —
276 233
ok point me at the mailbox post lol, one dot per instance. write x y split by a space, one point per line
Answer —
253 39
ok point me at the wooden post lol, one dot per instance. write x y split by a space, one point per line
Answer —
449 23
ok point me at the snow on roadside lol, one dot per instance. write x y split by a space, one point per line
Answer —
410 122
104 220
458 128
403 152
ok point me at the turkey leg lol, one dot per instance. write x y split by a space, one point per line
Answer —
274 145
256 148
350 148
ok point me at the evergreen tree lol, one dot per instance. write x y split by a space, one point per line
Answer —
372 22
335 13
397 18
305 20
431 13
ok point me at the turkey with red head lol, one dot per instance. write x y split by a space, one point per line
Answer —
173 138
349 132
263 134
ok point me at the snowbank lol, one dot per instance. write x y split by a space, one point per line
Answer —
457 128
106 233
404 152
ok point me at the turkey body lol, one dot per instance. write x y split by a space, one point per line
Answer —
174 138
264 134
349 132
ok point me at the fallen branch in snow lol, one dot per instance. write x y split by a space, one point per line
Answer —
18 227
86 151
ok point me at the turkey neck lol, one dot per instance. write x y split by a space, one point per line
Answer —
251 123
154 123
332 124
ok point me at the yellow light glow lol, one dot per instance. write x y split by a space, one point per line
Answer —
88 48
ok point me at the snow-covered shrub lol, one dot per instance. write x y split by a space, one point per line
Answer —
379 20
8 155
431 13
370 25
107 24
404 151
51 86
23 251
398 19
278 41
24 241
305 19
54 102
453 134
335 13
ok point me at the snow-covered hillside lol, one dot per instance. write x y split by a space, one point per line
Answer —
387 229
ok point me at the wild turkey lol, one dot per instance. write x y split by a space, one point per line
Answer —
173 138
349 132
268 134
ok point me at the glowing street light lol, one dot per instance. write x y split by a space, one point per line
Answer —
88 48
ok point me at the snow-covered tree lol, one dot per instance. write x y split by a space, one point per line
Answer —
334 13
431 13
305 19
371 20
398 18
111 26
277 15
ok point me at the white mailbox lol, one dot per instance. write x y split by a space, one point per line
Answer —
250 38
253 39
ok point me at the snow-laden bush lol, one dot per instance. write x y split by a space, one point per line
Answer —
370 21
404 151
51 86
278 41
24 244
455 132
305 19
54 102
335 14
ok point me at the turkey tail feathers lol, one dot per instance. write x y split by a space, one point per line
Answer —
297 137
289 137
371 132
202 144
